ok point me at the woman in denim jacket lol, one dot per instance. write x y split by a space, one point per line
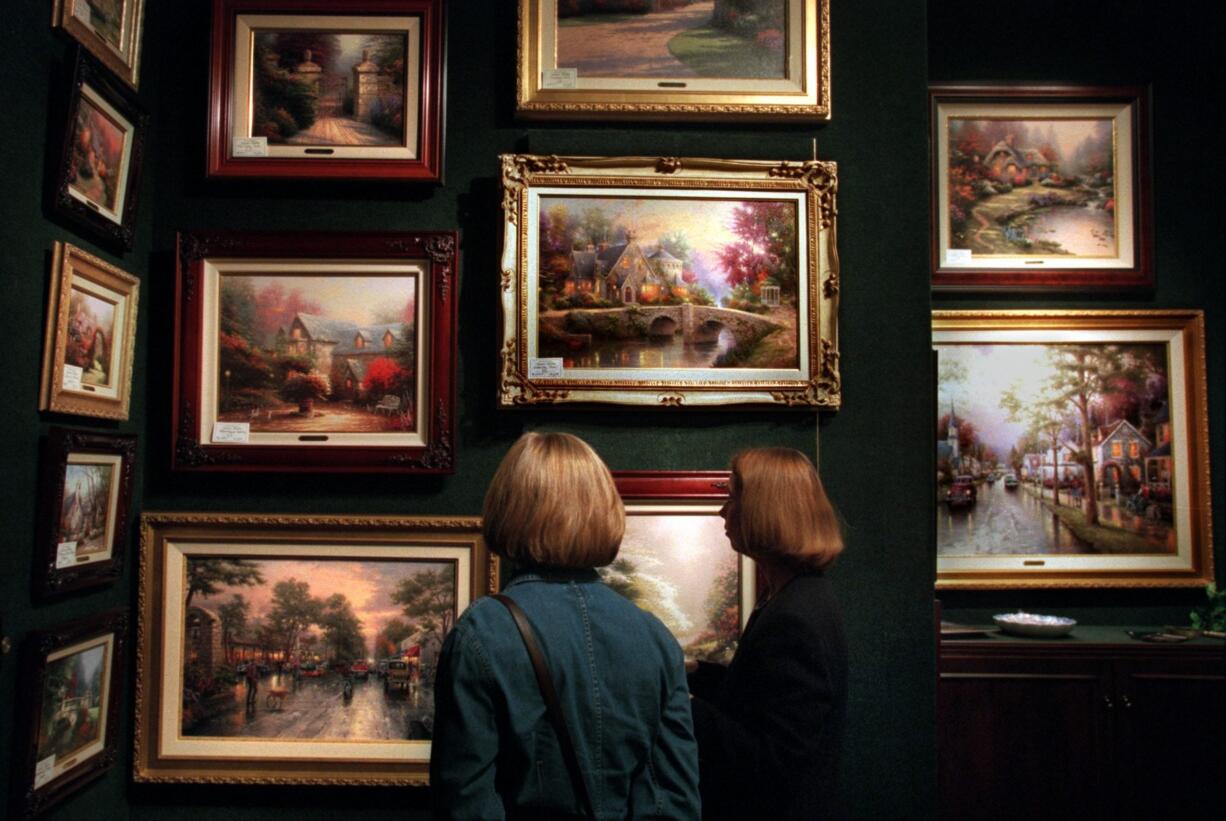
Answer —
553 511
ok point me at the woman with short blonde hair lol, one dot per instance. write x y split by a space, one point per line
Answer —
770 724
553 511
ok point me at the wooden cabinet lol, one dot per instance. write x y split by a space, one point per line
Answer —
1092 726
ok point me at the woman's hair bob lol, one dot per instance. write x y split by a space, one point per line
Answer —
784 513
553 503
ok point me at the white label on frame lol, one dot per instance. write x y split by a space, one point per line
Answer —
231 431
958 255
80 10
560 78
44 771
250 147
72 378
65 555
545 368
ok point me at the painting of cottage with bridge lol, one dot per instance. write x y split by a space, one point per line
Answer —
1033 187
1055 449
328 88
668 282
335 354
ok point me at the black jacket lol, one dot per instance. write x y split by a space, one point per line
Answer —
770 725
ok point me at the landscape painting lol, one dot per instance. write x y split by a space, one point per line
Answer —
681 568
1055 448
303 354
668 282
313 649
673 38
105 18
329 88
97 155
87 510
72 711
90 339
1034 187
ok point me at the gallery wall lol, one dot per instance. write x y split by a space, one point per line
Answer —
875 453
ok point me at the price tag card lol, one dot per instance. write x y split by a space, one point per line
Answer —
65 555
249 147
958 256
71 380
44 771
560 78
232 432
545 368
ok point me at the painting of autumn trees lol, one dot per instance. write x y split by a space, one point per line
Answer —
317 354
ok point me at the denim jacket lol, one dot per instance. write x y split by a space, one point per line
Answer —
621 683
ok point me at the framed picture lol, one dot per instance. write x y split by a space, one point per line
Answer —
250 625
90 339
1072 449
1040 188
98 182
315 352
676 561
327 89
669 282
674 59
70 704
86 499
109 29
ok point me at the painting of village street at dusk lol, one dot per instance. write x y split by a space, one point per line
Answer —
681 568
332 354
1055 449
313 649
668 282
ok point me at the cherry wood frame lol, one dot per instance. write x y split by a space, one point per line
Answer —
28 801
1023 277
437 250
427 166
50 580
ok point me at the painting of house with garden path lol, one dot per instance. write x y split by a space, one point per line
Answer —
301 354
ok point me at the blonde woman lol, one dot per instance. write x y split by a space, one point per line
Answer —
553 512
770 725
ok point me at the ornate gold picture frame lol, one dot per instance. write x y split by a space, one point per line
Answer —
674 59
669 282
296 649
109 29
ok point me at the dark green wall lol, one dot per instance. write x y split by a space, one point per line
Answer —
879 138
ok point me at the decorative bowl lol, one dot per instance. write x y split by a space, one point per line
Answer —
1032 624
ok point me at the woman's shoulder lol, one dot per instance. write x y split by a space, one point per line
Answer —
622 613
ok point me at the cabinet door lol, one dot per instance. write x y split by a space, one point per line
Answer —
1171 715
1022 738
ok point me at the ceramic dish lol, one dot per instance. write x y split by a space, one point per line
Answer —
1032 624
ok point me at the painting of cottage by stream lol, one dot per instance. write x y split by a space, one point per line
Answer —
1041 187
668 282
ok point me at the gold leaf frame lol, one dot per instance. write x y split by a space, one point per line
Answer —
1183 332
368 538
804 93
816 382
124 60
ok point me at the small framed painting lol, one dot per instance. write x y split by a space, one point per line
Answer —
315 352
327 89
97 186
676 561
250 626
90 338
1040 188
1072 449
86 499
109 29
71 675
669 282
674 59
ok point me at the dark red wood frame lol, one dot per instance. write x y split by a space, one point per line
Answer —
695 485
27 801
1021 278
426 167
439 249
61 442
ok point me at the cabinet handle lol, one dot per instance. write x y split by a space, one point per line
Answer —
1110 705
